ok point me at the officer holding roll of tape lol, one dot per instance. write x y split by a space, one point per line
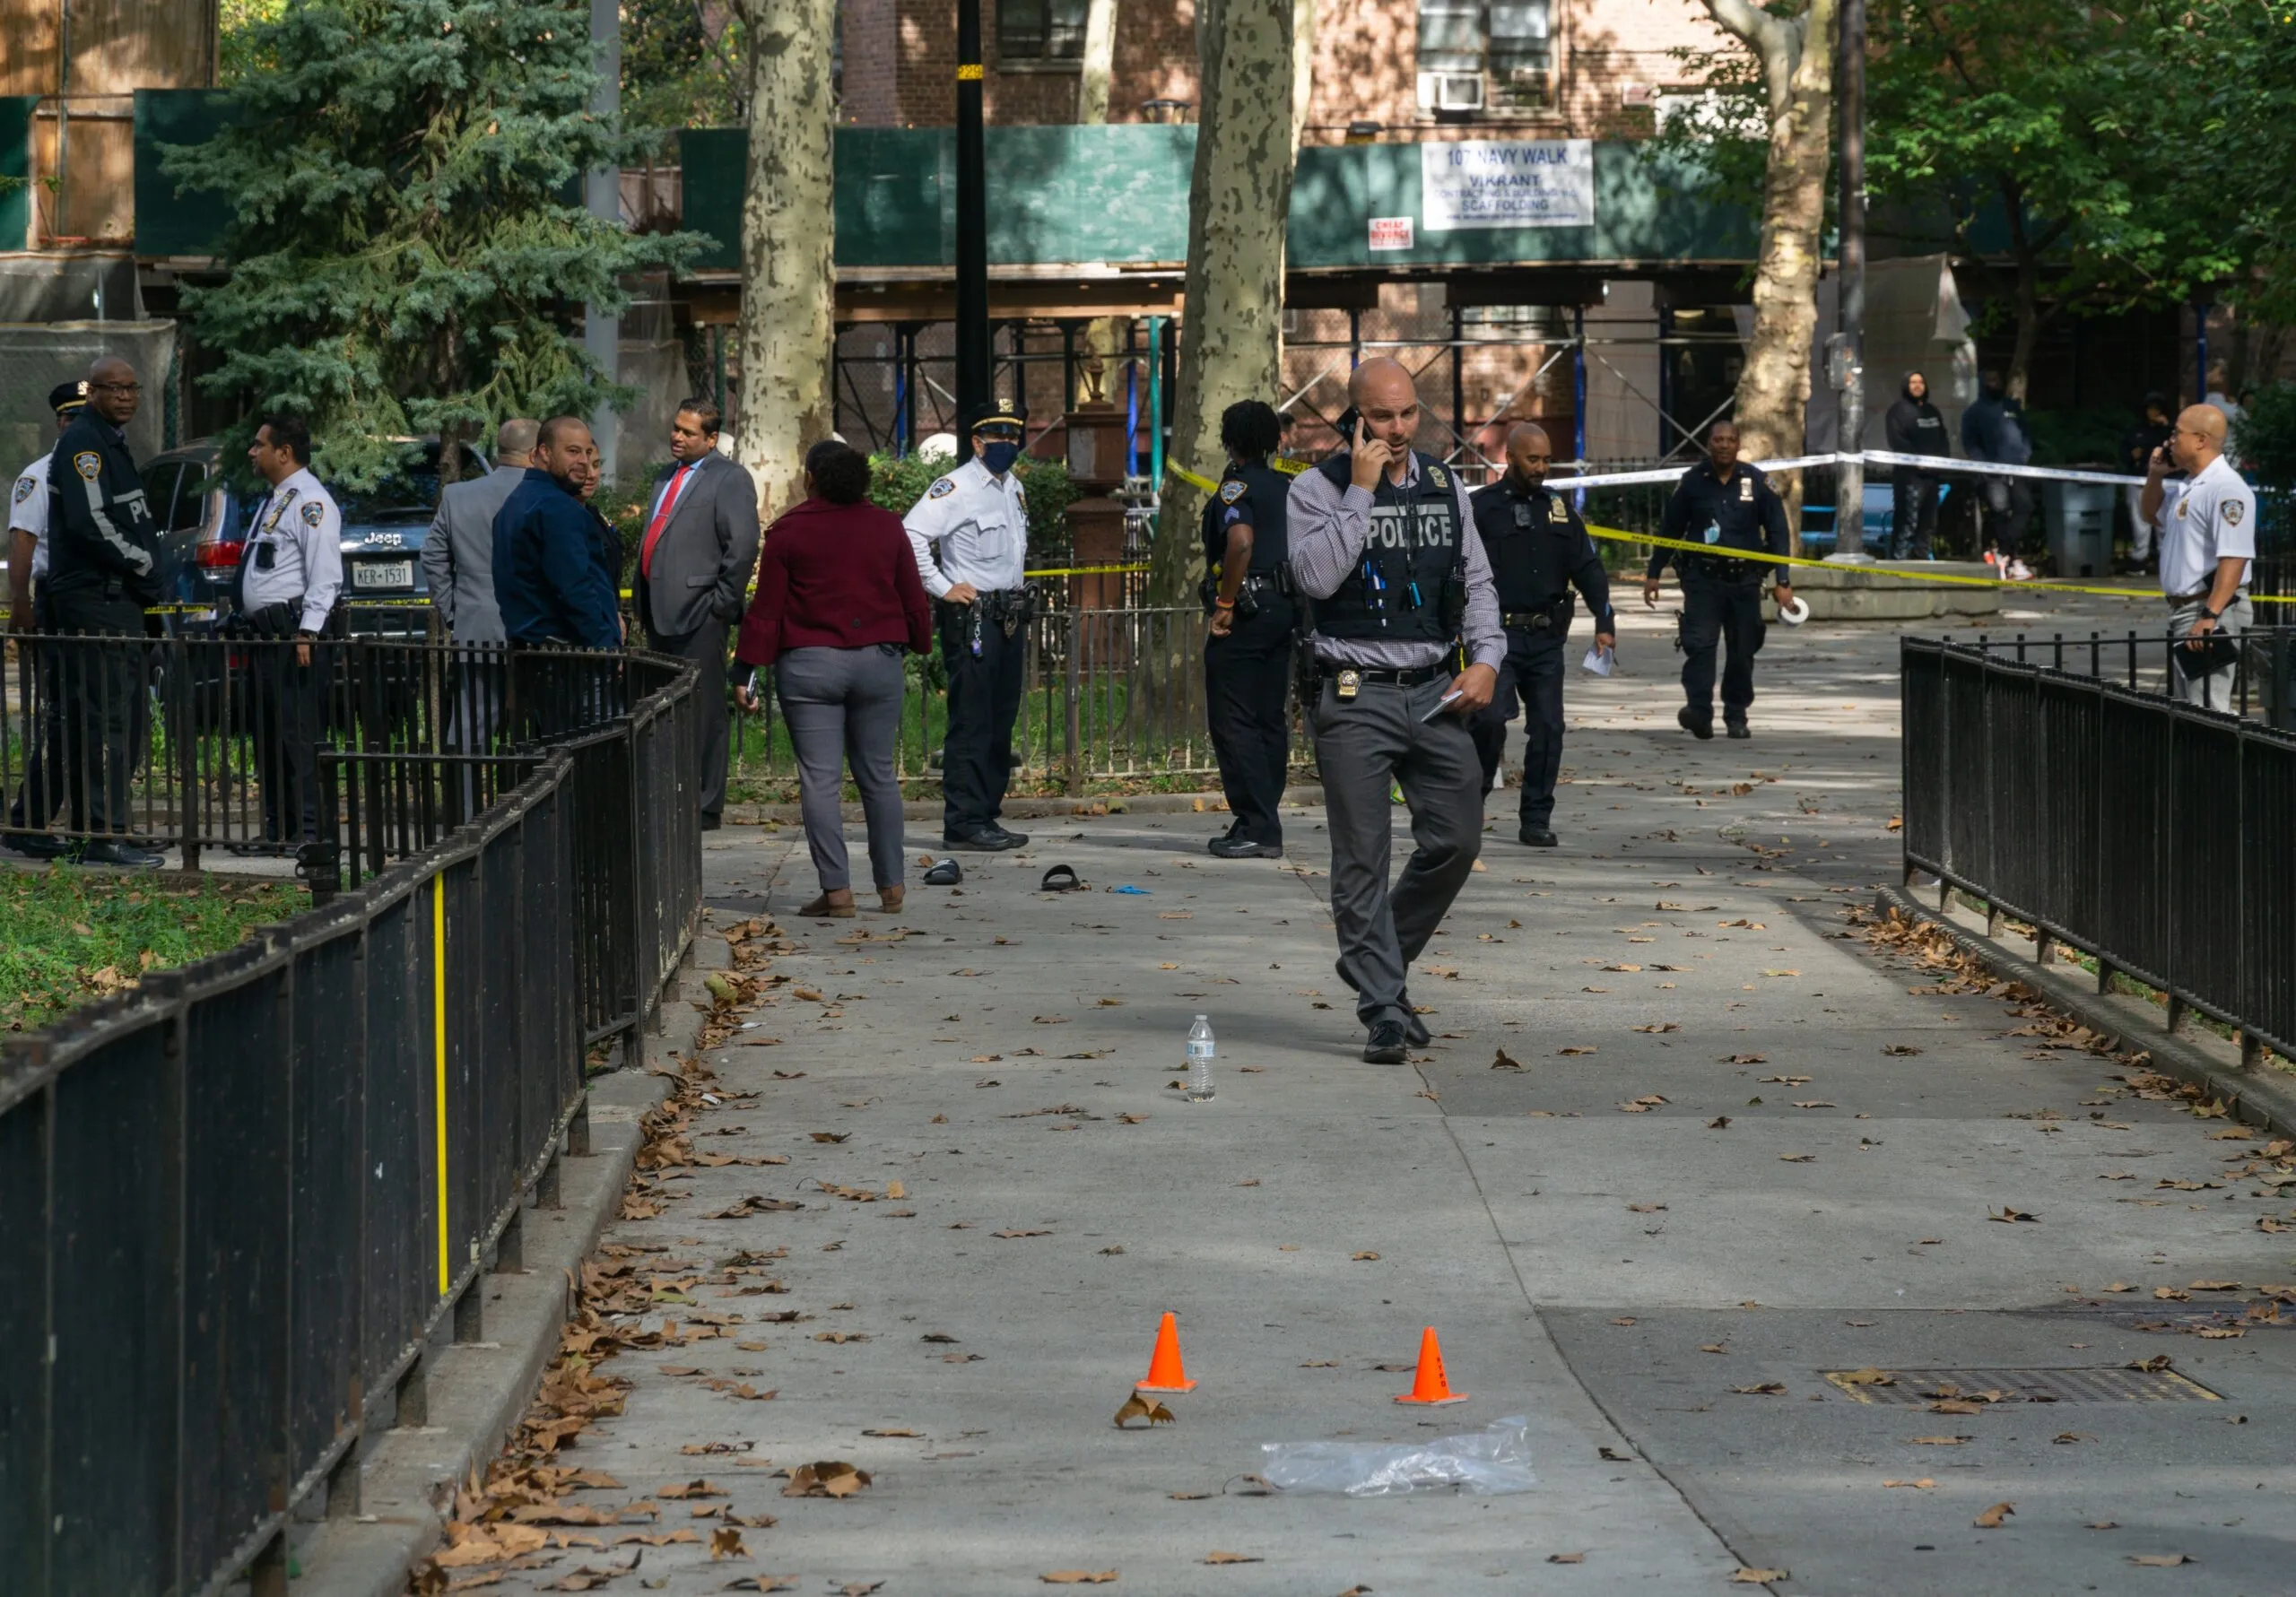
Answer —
1539 551
290 574
1247 655
1726 504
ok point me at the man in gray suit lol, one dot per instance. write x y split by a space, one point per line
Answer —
458 564
458 553
694 561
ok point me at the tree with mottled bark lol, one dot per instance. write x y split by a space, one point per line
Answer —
1100 61
788 329
1795 55
1231 339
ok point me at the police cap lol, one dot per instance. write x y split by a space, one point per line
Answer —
994 416
66 398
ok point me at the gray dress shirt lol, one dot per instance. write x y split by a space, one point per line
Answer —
1327 529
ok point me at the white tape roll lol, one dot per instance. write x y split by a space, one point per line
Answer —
1795 613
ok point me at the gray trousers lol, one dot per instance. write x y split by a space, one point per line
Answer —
705 646
844 705
1360 746
2215 691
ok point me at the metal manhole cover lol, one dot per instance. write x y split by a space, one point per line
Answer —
1917 1388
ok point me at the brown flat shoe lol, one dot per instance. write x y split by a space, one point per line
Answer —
889 898
820 909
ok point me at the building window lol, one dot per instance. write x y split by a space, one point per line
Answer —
1474 54
1521 58
1040 30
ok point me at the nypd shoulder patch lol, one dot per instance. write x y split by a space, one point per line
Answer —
1231 491
2232 512
314 513
941 489
26 486
88 463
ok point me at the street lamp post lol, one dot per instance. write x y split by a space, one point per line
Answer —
1848 361
972 228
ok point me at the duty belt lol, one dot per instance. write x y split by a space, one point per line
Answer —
1384 677
2202 598
1556 613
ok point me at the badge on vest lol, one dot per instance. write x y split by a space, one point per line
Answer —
1435 475
1745 490
88 463
1231 491
1351 682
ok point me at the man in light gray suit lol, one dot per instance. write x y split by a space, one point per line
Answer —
694 561
458 552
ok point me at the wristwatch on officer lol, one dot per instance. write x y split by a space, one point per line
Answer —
2214 616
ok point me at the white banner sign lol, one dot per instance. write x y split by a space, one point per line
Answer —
1481 183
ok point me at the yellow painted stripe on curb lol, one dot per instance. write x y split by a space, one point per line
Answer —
438 1032
1616 536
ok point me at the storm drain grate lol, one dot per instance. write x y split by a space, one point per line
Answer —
1917 1388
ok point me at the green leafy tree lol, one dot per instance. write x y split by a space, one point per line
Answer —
407 252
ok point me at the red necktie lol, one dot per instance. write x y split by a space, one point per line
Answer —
661 519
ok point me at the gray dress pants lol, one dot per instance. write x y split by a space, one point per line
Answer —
1360 746
844 705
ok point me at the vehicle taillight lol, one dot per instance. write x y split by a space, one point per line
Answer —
219 555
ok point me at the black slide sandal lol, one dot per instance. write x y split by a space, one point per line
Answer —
947 873
1054 881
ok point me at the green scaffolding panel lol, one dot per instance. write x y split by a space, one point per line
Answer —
15 171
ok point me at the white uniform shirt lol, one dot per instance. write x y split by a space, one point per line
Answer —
2215 518
302 528
981 526
28 511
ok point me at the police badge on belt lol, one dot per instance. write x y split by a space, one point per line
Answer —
1351 682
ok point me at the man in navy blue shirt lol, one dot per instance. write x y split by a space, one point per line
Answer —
1727 506
551 580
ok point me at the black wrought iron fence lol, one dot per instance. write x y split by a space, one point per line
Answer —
2155 835
240 1197
2262 683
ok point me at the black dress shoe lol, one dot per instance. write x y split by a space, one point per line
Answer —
37 846
988 839
1740 729
1535 837
1236 846
1385 1044
1698 726
1414 1030
120 852
1011 839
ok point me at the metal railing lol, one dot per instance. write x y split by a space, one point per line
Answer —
241 1197
2155 835
2262 684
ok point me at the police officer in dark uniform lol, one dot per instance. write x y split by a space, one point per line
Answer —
1539 551
1247 658
1723 504
103 567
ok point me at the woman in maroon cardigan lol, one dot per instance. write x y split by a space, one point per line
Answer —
839 599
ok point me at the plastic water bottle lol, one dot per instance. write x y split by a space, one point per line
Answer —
1199 1061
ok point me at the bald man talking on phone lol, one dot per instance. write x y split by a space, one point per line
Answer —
1383 548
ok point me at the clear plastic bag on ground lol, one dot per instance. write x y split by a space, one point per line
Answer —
1488 1463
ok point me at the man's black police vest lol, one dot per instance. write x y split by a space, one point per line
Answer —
1532 544
1267 494
1411 583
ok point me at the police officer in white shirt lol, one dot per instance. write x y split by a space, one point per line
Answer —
2207 539
971 532
291 572
36 803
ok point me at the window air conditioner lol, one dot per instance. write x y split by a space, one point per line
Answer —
1451 92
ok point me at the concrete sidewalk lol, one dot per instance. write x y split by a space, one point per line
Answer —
1009 1057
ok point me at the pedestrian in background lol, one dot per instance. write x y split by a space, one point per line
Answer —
458 551
1992 430
970 534
103 568
1383 542
1724 505
694 561
839 603
1914 426
1539 551
39 682
290 574
2207 541
1247 654
2137 447
550 582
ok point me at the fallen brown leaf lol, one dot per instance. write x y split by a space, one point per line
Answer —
1365 1257
1938 1441
1077 1577
1140 1407
831 1136
1757 1577
725 1542
1566 1557
1216 1556
829 1477
2160 1560
1991 1518
1763 1389
2009 1215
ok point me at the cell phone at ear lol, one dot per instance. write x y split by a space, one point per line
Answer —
1349 422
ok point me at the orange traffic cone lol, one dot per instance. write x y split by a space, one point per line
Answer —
1165 1371
1429 1387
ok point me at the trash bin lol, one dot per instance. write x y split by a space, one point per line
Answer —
2079 519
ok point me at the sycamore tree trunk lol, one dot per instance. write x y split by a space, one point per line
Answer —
1796 58
1100 59
788 281
1232 331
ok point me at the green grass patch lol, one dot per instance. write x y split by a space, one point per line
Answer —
68 936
